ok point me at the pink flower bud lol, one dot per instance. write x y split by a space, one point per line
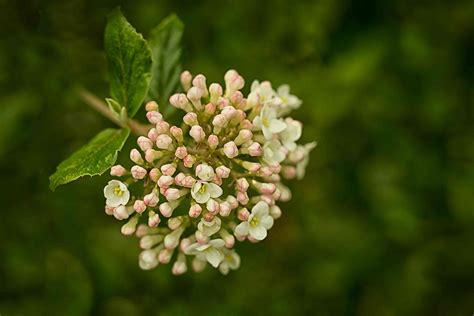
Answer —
201 238
200 82
189 182
162 127
185 243
212 206
213 141
242 197
151 199
236 97
228 112
109 210
185 79
164 256
152 134
172 194
208 216
229 240
264 188
275 167
130 227
181 152
154 117
153 219
138 172
210 109
266 171
233 82
204 172
222 102
189 161
151 106
121 212
244 136
180 101
177 133
242 185
224 209
144 143
232 201
276 195
190 119
165 181
179 179
179 266
168 169
251 166
164 142
246 124
219 121
171 240
139 206
243 214
255 149
194 95
195 210
231 150
117 171
253 99
239 116
288 172
166 210
222 172
151 155
136 157
175 222
267 199
197 133
215 90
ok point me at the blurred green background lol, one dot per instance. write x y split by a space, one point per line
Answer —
383 223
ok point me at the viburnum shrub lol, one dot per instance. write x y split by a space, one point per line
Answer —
195 185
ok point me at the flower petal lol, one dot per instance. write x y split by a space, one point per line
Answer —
258 232
266 221
277 126
214 257
242 229
260 209
214 190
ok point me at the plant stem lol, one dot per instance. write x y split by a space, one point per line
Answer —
100 106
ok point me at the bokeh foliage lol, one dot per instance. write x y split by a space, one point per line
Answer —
383 224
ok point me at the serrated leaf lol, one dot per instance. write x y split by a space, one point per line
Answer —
93 159
129 59
165 44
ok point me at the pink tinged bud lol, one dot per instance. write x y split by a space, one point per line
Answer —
179 266
162 127
215 90
153 219
190 119
172 194
164 142
189 161
222 102
255 149
224 209
230 150
213 141
151 106
179 179
275 212
144 143
148 241
240 238
109 210
236 98
194 95
275 167
154 117
152 134
242 197
130 227
266 171
165 181
242 185
267 199
151 199
212 206
251 166
185 79
239 116
189 182
164 256
232 201
229 240
198 265
217 180
136 157
288 172
244 136
200 82
197 133
253 99
117 171
219 121
181 152
175 222
168 169
201 238
264 188
228 112
210 109
151 155
138 172
179 101
243 214
121 212
246 124
154 174
139 206
208 216
233 82
184 244
172 239
177 133
195 210
222 172
276 195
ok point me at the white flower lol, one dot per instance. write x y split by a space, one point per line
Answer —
257 224
301 166
205 172
265 92
291 133
209 228
203 191
116 193
268 122
210 252
288 101
273 152
231 261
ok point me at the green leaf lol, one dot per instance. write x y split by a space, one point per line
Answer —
114 106
93 159
165 44
130 62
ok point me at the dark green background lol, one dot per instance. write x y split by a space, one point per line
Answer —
383 223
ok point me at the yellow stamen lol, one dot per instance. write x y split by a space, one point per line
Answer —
118 191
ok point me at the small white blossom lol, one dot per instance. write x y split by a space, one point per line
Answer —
231 261
211 227
116 193
291 133
269 122
210 252
257 224
288 101
273 152
265 92
301 166
205 172
203 191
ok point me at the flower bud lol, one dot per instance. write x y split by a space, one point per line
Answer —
243 214
275 211
179 100
242 197
165 181
236 98
130 227
242 185
153 219
164 142
144 143
244 136
230 150
219 121
151 106
222 172
194 95
229 240
201 238
185 79
151 199
207 217
138 172
175 222
275 167
190 119
266 171
195 210
154 174
212 206
162 127
181 152
117 171
198 264
285 192
172 194
168 169
149 241
233 82
267 199
276 195
109 210
148 259
210 109
255 149
264 188
239 116
213 141
188 182
288 172
253 100
200 82
215 90
177 133
204 172
246 124
139 206
136 157
222 102
224 209
164 256
185 243
179 179
179 266
189 161
171 240
232 201
251 166
152 134
151 155
197 133
154 117
121 212
228 112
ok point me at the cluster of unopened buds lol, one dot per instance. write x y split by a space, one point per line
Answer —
196 189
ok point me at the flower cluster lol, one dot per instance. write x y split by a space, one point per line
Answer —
198 188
